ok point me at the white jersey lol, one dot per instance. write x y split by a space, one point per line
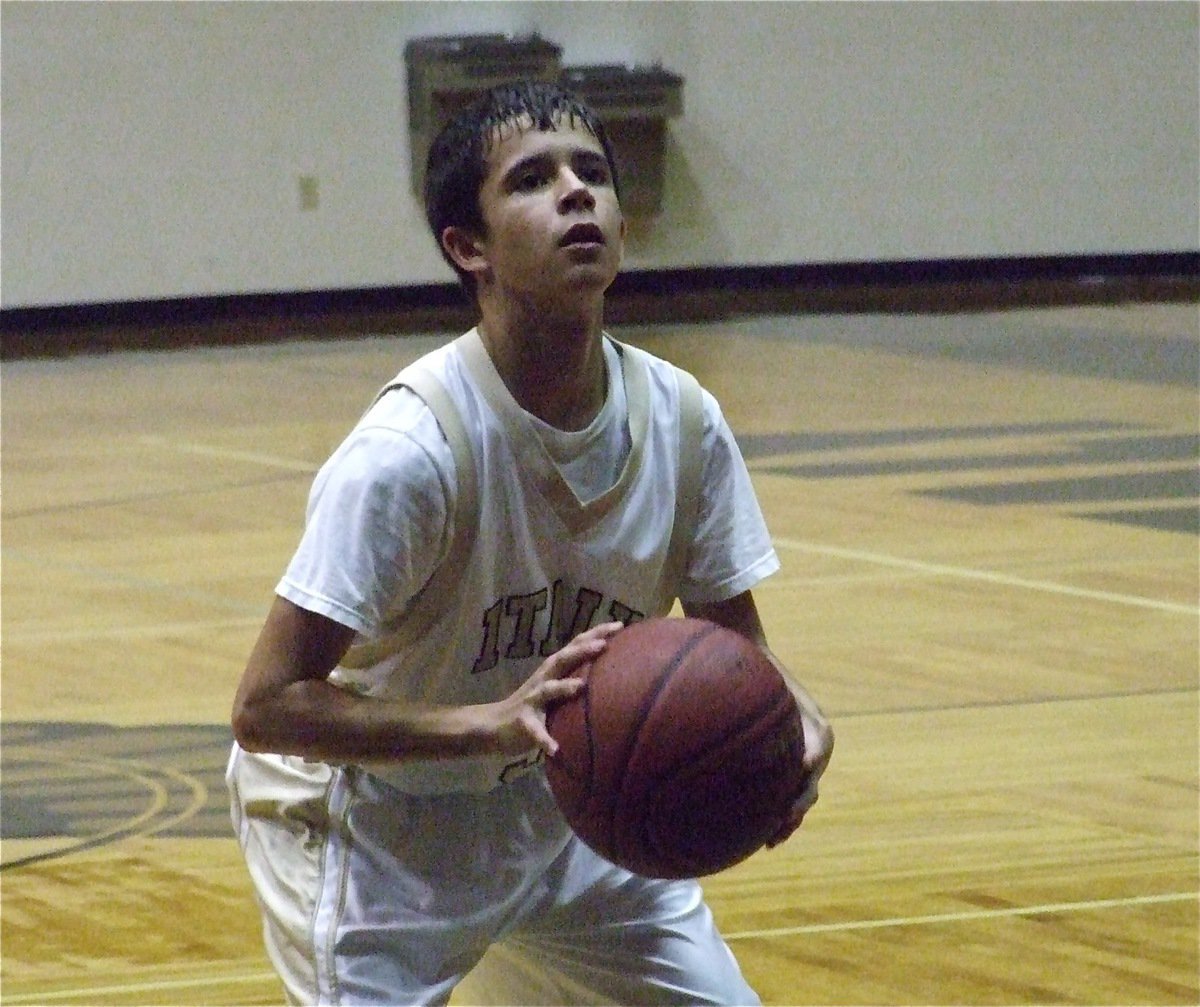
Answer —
572 530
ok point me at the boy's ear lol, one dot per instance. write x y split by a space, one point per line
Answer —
465 249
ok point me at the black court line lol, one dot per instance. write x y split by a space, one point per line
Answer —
1185 520
95 784
765 445
1107 444
1167 360
1107 451
1046 700
86 783
1166 485
1011 341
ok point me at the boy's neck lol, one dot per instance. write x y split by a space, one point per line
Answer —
552 364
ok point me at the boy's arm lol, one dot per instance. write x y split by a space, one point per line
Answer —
285 703
740 614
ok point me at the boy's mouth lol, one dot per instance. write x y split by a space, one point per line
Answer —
583 234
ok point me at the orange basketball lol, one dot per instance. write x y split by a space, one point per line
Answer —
683 754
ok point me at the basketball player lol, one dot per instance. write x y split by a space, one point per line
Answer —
494 517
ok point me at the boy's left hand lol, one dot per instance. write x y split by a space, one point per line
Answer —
818 748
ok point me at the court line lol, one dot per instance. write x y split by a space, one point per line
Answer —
158 496
18 635
48 996
159 799
109 577
147 823
192 448
988 576
966 916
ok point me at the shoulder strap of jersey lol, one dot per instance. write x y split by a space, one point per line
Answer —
688 480
688 486
419 615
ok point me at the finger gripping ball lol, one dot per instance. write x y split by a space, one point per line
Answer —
682 756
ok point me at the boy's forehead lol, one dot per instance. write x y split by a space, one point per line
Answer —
518 137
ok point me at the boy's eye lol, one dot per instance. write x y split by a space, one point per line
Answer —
530 180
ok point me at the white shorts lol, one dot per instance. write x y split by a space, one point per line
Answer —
373 896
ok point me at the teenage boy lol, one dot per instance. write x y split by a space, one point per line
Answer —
504 506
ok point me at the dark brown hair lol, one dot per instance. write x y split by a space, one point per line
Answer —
457 163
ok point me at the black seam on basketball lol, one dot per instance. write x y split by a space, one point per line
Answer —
648 705
763 725
586 774
762 722
591 740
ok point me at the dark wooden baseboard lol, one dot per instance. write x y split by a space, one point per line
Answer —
688 295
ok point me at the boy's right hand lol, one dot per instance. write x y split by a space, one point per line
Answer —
519 721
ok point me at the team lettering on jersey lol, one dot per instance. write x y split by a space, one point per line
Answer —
542 622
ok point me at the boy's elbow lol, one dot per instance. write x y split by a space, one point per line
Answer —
243 730
248 726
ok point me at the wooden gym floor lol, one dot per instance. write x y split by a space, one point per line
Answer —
988 528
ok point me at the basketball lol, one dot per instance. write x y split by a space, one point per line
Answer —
682 755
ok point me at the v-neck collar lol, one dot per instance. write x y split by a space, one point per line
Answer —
576 514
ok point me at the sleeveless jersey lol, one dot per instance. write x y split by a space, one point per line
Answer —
460 583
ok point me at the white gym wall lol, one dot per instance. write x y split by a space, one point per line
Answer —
156 150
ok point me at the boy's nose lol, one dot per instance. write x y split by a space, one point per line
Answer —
576 194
